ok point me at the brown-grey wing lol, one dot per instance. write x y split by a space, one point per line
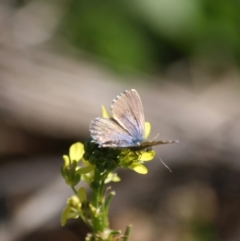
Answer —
108 133
127 110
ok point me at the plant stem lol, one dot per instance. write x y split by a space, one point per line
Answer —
100 221
74 189
127 233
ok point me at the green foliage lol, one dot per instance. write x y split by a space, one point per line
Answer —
104 29
140 35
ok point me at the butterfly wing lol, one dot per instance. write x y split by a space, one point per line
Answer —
108 133
128 112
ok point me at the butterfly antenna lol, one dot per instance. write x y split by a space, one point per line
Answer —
164 163
155 137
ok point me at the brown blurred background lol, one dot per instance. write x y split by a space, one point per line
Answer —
60 60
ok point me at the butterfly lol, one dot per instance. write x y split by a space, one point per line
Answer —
126 127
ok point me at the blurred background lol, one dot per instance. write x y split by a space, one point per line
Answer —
61 59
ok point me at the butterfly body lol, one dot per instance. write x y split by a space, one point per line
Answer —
126 127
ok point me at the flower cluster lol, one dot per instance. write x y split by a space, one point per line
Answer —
103 159
95 166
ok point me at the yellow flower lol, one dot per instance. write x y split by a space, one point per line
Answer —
135 159
104 112
72 210
76 152
147 129
112 177
74 206
71 171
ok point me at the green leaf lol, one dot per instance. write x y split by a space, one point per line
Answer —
64 215
82 194
85 170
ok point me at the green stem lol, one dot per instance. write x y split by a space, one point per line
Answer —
106 208
100 221
74 189
127 233
95 217
97 200
104 214
85 220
